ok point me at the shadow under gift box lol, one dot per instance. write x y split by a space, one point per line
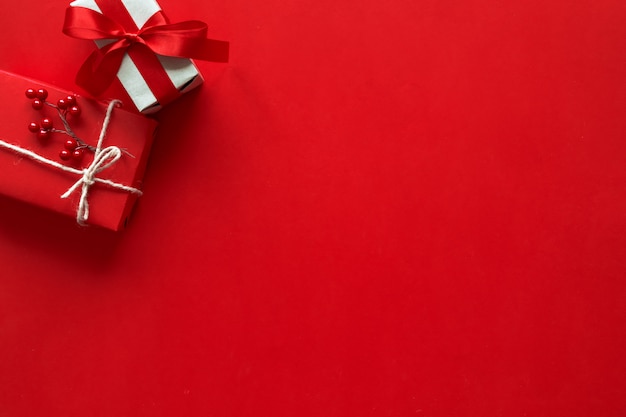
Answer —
25 179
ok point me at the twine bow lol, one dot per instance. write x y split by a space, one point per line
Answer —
103 160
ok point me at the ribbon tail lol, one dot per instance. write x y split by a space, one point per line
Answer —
185 39
193 48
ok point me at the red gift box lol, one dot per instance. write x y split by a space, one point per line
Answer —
42 184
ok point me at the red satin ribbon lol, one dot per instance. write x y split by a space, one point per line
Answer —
184 39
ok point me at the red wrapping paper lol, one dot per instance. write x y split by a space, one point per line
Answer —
33 182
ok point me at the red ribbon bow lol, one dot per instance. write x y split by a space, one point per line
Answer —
184 39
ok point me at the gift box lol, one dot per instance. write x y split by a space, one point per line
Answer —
33 148
136 42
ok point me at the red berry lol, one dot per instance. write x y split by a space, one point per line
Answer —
62 104
74 110
77 155
31 93
46 123
43 134
33 127
71 100
70 144
37 104
65 155
42 94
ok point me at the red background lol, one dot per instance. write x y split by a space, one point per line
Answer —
402 208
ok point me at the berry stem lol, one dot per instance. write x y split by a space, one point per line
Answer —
68 130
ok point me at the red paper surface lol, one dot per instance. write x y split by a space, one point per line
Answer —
405 208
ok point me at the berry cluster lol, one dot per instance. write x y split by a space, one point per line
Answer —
72 151
42 129
39 97
74 148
